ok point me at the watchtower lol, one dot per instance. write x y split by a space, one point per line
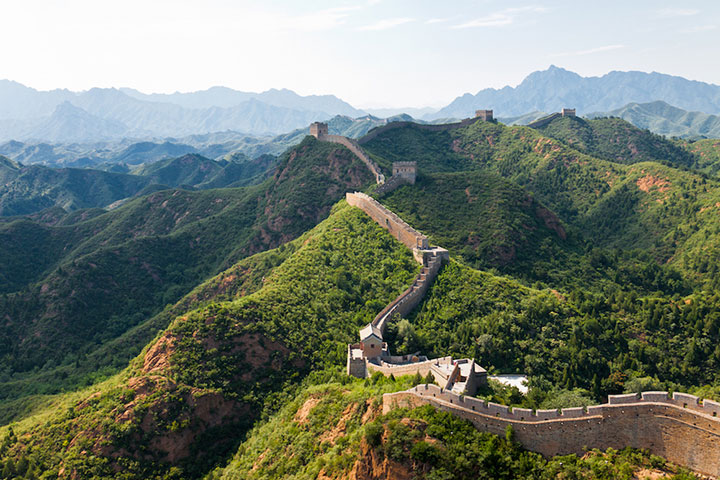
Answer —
485 115
568 112
318 129
405 170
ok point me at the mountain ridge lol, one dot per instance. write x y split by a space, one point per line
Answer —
552 89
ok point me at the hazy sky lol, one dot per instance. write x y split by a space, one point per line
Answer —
368 52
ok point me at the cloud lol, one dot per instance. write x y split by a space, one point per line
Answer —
320 20
501 18
436 20
386 24
698 28
589 51
678 12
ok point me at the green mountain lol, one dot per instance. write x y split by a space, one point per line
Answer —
94 280
200 172
665 119
616 140
422 443
707 153
34 188
590 271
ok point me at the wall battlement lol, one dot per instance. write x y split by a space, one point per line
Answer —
681 427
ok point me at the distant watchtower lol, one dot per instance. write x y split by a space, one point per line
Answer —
485 115
406 171
318 129
568 112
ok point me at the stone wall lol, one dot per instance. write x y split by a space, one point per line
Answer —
543 121
423 368
432 127
353 146
679 428
411 297
388 220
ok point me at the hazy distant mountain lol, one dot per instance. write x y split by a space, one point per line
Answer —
107 113
20 102
664 119
26 189
391 112
69 123
124 155
555 88
148 152
227 97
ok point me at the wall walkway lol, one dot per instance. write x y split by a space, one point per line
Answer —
680 427
354 147
439 127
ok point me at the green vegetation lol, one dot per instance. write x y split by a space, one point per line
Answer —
337 428
616 140
35 188
485 220
665 119
593 276
707 153
230 358
94 280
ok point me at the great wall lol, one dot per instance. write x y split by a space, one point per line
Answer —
680 427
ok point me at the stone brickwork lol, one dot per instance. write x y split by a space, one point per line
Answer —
405 170
440 127
423 368
404 173
411 297
388 220
484 115
320 131
680 428
359 363
541 122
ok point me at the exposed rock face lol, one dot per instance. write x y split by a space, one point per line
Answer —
372 466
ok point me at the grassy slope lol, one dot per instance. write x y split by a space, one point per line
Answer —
209 373
99 278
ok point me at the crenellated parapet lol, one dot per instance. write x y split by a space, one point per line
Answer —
680 427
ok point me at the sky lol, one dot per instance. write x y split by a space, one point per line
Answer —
370 53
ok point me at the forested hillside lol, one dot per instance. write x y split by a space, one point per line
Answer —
93 279
587 268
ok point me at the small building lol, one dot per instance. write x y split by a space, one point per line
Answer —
485 115
318 129
371 341
568 112
405 170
